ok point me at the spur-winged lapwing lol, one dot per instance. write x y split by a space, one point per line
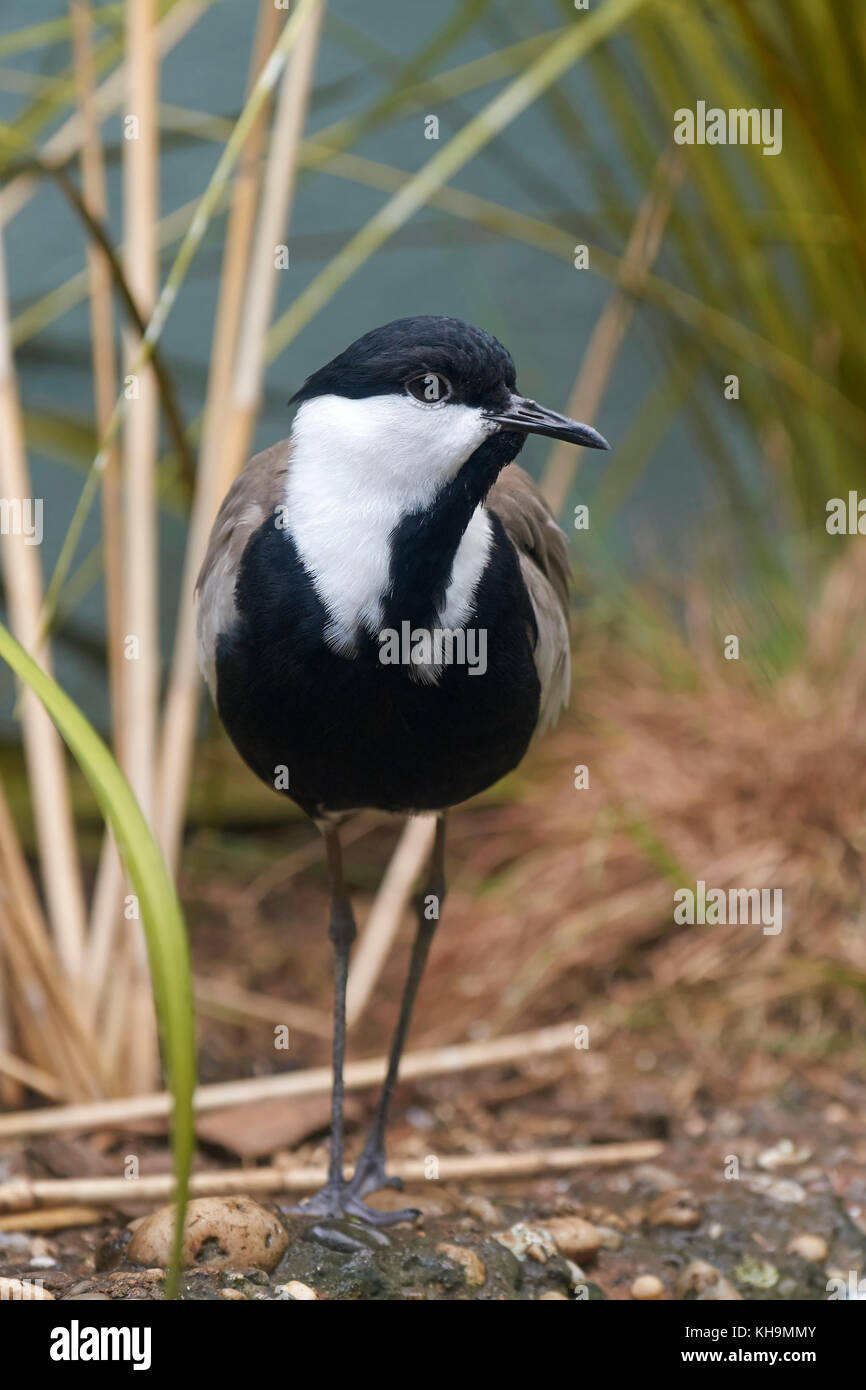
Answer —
383 618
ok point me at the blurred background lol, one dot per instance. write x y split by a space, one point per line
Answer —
700 304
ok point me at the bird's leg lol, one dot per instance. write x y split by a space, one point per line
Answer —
369 1175
342 932
336 1198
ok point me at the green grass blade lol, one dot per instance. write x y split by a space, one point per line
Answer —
162 917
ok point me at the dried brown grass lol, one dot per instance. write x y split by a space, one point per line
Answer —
725 779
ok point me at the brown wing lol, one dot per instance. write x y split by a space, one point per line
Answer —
254 495
543 553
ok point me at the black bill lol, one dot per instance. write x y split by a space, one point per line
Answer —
529 417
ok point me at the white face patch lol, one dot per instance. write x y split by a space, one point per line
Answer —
358 467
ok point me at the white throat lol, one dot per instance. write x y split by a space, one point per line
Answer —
357 468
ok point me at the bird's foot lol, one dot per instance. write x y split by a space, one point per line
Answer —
343 1199
370 1176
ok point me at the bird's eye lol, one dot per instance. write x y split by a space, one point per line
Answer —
429 388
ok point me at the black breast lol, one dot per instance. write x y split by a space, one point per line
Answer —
352 732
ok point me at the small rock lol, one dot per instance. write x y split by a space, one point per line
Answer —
22 1291
760 1274
220 1231
836 1114
672 1209
483 1209
603 1216
785 1154
94 1296
42 1262
610 1239
576 1275
522 1240
574 1237
777 1189
473 1265
233 1295
301 1293
553 1296
647 1287
659 1179
812 1248
705 1281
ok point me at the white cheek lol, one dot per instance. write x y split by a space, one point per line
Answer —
391 445
358 467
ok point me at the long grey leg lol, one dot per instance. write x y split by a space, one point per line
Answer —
337 1197
342 931
369 1175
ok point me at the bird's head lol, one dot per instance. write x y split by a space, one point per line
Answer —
420 397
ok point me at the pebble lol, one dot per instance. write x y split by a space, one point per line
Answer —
483 1209
473 1265
809 1247
574 1237
301 1293
93 1296
233 1295
777 1189
784 1154
704 1280
524 1240
553 1296
659 1179
759 1273
647 1287
672 1209
610 1239
223 1232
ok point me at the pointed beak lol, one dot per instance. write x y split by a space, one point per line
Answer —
528 417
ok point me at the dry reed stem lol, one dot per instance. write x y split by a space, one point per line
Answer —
243 1005
140 441
26 1074
273 226
386 913
32 1194
232 427
182 695
46 765
51 1219
102 336
438 1061
43 1001
11 1087
109 96
609 333
109 879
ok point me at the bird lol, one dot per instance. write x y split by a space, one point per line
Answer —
383 623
